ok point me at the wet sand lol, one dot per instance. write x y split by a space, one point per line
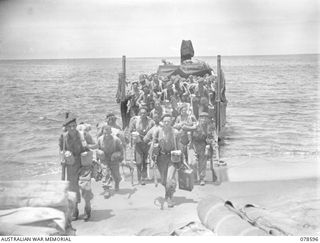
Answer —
138 207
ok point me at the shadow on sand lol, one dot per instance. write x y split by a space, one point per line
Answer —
160 201
124 191
107 193
182 200
98 215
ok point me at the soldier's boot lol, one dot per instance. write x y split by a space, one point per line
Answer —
166 195
170 201
117 186
75 214
87 210
202 182
139 173
140 176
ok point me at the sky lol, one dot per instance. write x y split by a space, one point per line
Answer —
31 29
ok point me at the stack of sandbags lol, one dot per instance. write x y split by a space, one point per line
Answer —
36 208
221 218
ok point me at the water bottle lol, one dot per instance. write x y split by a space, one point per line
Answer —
207 150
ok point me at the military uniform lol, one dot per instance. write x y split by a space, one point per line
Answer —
201 97
141 148
112 145
167 142
200 136
190 120
77 173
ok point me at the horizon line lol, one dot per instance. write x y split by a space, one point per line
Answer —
140 57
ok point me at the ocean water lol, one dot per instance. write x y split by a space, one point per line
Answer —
273 106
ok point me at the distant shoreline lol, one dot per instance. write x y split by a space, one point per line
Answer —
152 57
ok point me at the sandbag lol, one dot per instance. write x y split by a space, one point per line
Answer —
216 216
34 216
23 230
25 198
15 194
36 208
35 185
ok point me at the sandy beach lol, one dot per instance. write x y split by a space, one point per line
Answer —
293 192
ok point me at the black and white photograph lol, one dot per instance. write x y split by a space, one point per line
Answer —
159 118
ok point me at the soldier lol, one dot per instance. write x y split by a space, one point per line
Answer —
156 85
111 121
201 97
185 118
149 136
167 137
203 132
141 125
157 109
73 144
146 98
135 93
113 150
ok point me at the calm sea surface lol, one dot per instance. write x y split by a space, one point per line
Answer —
272 108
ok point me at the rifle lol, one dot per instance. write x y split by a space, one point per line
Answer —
62 159
216 147
132 160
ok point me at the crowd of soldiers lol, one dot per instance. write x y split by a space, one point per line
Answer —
153 90
171 122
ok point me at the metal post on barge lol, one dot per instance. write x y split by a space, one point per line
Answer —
121 92
218 111
218 96
124 68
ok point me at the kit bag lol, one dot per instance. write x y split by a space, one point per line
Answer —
68 156
135 137
86 158
100 155
186 178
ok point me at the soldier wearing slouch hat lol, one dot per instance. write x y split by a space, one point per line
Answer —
72 142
